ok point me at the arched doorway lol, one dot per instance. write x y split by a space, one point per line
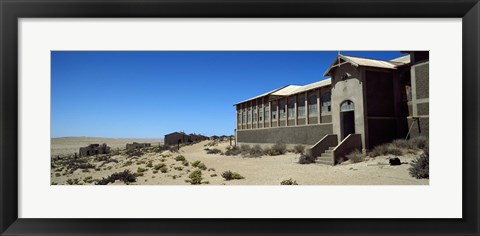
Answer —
347 118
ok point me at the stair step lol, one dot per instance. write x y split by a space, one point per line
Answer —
326 155
331 148
328 151
324 158
325 162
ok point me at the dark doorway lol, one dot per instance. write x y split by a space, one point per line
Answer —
347 119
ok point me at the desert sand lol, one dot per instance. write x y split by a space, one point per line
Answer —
265 170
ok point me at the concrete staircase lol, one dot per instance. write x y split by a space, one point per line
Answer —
326 157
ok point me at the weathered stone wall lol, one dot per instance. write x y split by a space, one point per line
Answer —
308 134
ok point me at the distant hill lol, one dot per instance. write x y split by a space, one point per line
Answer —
70 145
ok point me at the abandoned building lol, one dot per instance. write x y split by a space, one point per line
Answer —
364 102
94 149
181 137
135 145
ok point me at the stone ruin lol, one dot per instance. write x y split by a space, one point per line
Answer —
135 145
94 149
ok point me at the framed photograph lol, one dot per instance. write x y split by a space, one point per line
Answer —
254 117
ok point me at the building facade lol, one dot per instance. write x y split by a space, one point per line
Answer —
377 100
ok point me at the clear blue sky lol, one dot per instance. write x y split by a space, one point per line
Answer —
147 94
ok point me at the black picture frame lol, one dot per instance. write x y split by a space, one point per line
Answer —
12 10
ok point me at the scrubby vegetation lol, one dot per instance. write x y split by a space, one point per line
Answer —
400 147
195 178
299 149
288 182
276 149
229 175
126 176
306 159
233 151
419 168
213 151
355 156
180 158
134 153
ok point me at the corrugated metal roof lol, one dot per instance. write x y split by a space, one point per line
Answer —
286 91
313 85
292 89
403 59
372 62
360 61
261 95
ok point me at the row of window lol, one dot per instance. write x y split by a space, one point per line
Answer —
250 113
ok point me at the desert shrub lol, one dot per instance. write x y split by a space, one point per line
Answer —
245 149
57 174
196 163
178 168
385 149
213 175
299 149
276 149
214 151
180 158
149 164
289 182
229 175
185 163
134 153
202 166
419 168
233 151
159 166
72 181
164 169
155 171
127 163
140 162
85 170
355 156
419 142
141 170
105 159
211 169
125 176
255 151
73 164
306 159
195 177
88 179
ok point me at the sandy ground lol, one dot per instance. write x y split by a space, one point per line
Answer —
70 145
266 170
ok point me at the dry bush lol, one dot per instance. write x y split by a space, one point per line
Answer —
299 149
214 151
419 168
195 177
276 149
126 176
288 182
229 175
306 159
233 151
355 156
